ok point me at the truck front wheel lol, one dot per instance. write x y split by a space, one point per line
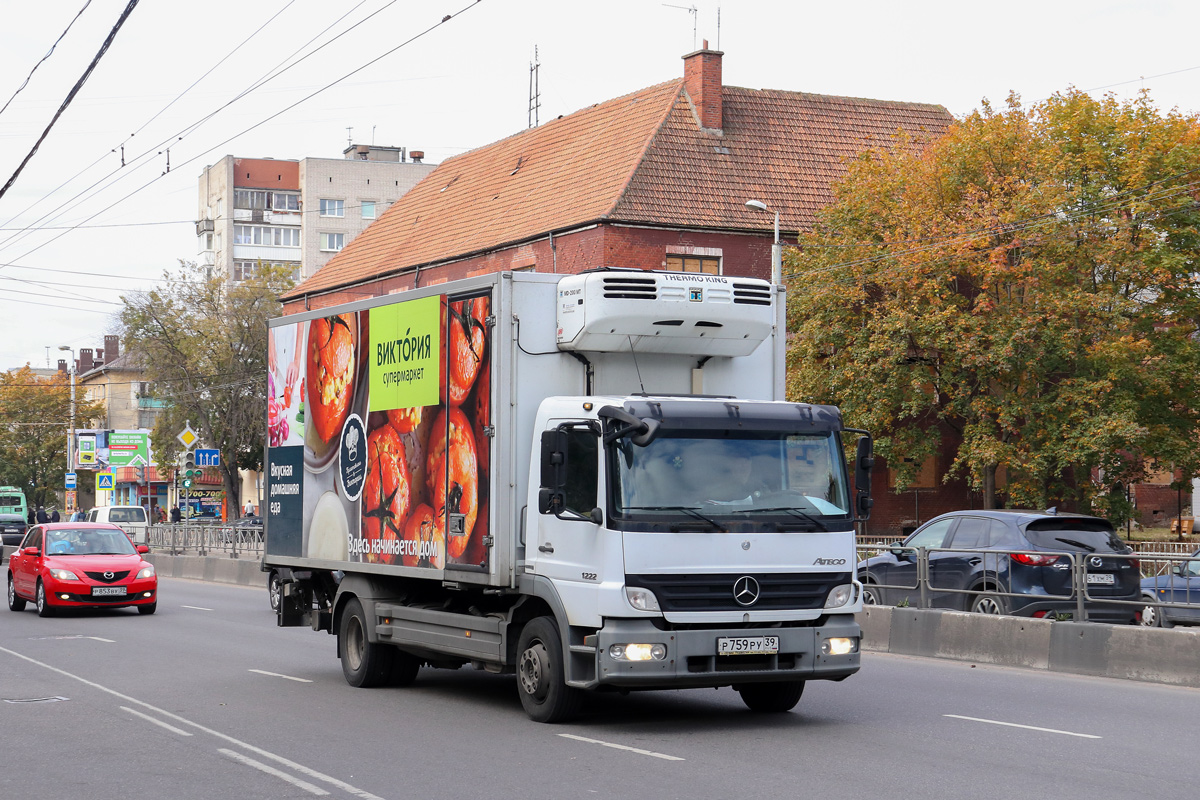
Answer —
768 698
540 676
364 663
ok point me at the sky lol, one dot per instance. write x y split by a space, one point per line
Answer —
78 230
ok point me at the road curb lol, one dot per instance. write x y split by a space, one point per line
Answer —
240 571
1129 652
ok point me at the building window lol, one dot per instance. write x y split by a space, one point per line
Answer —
281 201
368 209
333 241
206 242
250 198
263 234
245 270
709 265
333 208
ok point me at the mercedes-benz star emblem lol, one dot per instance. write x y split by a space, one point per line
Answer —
745 591
1097 561
108 576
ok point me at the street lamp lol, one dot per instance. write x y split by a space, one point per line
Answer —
776 248
71 434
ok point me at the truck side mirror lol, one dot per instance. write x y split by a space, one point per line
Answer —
864 461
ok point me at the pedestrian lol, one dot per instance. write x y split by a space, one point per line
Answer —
42 516
31 517
176 516
54 517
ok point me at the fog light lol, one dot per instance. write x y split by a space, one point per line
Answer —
147 594
637 652
839 646
658 652
617 651
839 595
65 596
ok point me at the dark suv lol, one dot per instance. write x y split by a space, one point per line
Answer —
972 578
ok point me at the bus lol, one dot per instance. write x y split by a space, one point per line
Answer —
12 501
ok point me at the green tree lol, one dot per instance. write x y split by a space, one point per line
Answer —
202 341
35 415
1027 282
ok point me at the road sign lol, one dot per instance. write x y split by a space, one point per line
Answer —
70 483
208 458
187 437
105 481
187 483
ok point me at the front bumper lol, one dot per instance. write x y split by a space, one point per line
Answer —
692 659
76 593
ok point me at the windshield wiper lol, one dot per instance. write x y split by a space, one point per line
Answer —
1074 543
795 512
686 510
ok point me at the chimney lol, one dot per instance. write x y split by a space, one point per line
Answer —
85 359
62 365
702 79
416 156
112 347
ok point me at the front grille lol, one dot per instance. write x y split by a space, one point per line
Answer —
755 294
758 663
623 288
117 577
715 592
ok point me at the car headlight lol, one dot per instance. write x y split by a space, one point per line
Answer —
63 575
839 595
147 571
641 599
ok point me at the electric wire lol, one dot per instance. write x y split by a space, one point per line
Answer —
49 53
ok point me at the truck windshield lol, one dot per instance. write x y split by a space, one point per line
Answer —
730 476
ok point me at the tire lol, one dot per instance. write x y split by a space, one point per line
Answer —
405 667
541 682
871 595
771 698
44 608
988 603
274 590
15 603
364 663
148 608
1152 616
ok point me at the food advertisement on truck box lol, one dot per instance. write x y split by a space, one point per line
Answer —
382 455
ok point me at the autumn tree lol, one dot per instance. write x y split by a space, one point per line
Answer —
35 415
1027 282
202 341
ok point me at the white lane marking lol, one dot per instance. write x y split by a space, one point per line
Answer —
158 722
309 771
278 675
622 747
1026 727
74 636
100 639
197 608
278 773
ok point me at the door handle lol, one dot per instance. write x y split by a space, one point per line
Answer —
546 548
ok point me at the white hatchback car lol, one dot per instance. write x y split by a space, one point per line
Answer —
131 519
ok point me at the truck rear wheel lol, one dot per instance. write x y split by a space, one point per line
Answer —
364 663
771 698
541 681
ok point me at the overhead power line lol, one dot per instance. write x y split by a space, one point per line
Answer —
49 53
71 95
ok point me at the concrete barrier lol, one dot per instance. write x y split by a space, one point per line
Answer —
241 571
1083 648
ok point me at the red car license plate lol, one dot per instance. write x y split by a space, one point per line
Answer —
99 591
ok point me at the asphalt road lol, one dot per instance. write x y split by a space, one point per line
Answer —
207 698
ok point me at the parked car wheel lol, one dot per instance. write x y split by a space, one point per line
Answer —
871 596
1152 616
988 603
14 603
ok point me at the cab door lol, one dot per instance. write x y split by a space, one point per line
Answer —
569 546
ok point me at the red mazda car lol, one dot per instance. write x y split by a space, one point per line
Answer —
80 565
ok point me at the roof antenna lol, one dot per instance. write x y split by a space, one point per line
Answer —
695 13
633 353
535 94
718 27
349 136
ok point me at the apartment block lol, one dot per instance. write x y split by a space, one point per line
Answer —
296 214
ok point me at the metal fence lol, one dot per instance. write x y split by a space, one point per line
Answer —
1079 594
203 539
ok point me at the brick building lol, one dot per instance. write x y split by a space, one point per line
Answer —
655 179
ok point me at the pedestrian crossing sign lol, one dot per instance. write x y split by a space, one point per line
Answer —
105 482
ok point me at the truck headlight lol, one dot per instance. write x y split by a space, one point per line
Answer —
839 646
637 652
641 599
840 595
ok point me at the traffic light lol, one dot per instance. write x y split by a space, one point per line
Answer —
189 465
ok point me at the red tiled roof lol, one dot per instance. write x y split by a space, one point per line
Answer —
638 158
